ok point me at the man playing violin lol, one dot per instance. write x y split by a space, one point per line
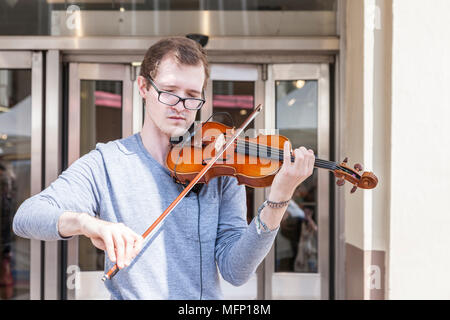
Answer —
113 193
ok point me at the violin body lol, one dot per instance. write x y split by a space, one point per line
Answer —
248 166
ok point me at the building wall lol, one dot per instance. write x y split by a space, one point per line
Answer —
420 186
397 110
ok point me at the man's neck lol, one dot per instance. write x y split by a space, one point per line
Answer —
156 143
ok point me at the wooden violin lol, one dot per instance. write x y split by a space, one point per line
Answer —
253 161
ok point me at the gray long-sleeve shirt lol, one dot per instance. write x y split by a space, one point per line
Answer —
120 182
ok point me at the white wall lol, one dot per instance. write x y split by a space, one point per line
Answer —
397 123
419 254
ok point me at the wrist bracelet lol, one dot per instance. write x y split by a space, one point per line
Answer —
277 205
271 204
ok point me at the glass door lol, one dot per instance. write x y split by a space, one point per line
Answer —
297 99
21 79
100 110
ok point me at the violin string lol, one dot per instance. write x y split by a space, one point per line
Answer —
276 154
279 156
318 162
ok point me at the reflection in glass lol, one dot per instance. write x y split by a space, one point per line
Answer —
15 183
101 121
237 99
296 247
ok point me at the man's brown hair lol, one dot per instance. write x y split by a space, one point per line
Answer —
185 51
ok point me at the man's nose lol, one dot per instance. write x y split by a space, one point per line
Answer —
179 107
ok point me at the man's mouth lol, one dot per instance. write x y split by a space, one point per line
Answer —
177 118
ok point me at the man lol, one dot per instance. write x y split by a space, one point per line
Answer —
113 193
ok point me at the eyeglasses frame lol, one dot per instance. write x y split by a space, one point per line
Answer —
202 100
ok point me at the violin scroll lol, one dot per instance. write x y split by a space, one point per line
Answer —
366 180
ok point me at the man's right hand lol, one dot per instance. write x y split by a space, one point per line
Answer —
120 242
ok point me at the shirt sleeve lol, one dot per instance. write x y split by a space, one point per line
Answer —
77 189
239 248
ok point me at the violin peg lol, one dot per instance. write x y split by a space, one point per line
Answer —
340 182
358 167
345 160
353 189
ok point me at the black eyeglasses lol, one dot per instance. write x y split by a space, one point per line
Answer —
172 99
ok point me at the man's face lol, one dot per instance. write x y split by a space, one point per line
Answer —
184 81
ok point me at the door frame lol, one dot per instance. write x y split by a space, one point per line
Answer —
33 61
329 51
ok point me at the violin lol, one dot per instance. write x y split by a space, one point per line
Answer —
253 161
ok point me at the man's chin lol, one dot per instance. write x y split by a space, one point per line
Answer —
175 132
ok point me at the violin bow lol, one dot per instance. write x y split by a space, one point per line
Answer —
220 147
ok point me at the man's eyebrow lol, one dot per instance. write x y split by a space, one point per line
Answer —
171 86
194 91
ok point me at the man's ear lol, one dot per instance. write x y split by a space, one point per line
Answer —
142 85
